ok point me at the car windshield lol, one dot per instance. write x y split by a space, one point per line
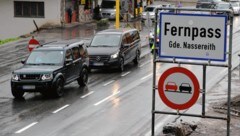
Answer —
234 4
107 40
223 6
149 9
44 57
108 4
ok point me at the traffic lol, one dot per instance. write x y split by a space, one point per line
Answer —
63 85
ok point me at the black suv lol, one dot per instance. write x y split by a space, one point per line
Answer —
51 66
114 48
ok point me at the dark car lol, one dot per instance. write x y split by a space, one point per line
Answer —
207 3
114 48
51 66
185 87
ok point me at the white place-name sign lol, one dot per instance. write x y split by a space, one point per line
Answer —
193 36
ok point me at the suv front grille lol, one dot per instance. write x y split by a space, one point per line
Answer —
30 76
98 58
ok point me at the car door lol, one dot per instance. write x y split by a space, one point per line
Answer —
135 45
126 47
77 61
69 67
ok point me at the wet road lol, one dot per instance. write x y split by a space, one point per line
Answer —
112 104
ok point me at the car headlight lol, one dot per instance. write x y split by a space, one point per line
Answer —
47 77
15 77
114 56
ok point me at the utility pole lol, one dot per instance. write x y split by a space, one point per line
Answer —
117 14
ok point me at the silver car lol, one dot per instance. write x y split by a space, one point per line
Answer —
236 7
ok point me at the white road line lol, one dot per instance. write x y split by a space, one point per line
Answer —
65 106
126 73
105 99
146 77
108 82
144 64
25 128
87 94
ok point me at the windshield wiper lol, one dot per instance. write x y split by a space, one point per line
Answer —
101 46
46 63
32 64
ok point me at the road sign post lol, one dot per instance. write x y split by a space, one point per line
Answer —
190 37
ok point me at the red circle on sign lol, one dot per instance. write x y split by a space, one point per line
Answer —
166 100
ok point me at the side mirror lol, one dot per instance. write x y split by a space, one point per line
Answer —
23 61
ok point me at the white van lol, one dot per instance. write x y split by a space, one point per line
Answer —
108 8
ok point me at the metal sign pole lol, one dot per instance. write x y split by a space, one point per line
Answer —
204 90
154 76
229 74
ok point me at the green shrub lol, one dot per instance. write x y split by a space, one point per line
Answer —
103 22
8 40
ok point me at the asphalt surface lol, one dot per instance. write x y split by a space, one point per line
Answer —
113 103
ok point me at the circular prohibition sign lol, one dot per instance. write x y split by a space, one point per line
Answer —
170 103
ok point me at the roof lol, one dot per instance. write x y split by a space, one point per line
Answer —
116 31
59 45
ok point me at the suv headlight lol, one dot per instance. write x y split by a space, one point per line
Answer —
114 56
47 77
15 77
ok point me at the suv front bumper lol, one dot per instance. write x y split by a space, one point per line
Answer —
31 86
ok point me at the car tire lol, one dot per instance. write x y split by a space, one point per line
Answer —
59 87
121 65
83 79
17 94
137 58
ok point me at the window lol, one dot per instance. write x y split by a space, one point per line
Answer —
69 54
135 36
76 54
28 9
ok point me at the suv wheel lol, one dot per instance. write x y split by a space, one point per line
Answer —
83 79
58 90
137 58
17 94
121 65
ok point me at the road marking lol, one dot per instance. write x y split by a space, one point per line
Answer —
146 77
25 128
144 64
87 94
105 99
108 82
56 111
125 74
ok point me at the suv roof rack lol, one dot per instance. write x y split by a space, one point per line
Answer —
45 43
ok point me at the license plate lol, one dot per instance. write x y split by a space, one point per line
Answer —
98 64
29 87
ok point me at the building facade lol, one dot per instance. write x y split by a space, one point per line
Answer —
19 17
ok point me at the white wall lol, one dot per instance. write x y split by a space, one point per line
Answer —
11 26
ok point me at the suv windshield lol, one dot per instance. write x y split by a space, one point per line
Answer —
45 57
106 40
